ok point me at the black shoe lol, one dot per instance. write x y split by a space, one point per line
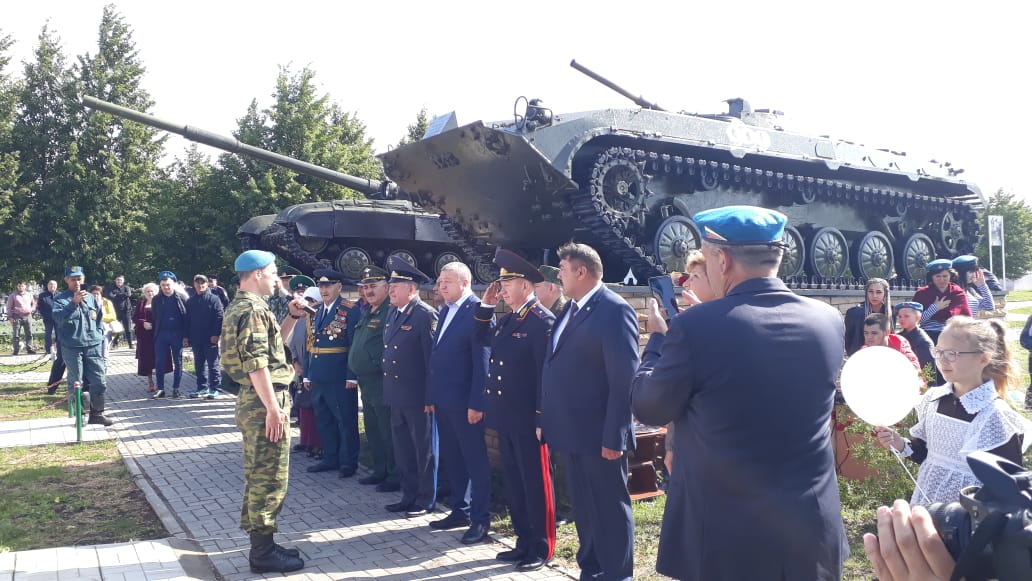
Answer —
416 511
320 467
455 520
347 472
99 419
286 551
388 487
158 394
265 558
513 556
398 506
30 351
530 564
371 479
300 448
476 533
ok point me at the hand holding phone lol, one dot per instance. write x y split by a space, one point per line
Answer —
663 290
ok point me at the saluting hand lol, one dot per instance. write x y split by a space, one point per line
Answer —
491 294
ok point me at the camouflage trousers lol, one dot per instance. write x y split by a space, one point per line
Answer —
266 464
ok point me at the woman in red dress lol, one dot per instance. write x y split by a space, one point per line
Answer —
143 325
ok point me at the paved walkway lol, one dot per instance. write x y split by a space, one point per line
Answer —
186 457
139 561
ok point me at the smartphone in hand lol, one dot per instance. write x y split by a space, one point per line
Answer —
663 290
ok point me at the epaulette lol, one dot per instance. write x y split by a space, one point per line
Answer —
426 307
539 310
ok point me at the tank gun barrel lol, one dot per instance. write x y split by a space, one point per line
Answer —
372 188
638 99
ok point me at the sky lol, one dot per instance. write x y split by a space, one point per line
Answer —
943 80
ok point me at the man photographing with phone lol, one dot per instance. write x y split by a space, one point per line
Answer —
80 334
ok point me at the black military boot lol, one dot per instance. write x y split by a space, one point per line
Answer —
96 407
265 558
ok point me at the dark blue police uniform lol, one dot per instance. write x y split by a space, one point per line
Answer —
325 365
408 341
519 342
749 382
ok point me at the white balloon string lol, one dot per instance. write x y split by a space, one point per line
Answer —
899 458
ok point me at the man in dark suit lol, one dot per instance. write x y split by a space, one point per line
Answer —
325 366
749 381
458 372
409 340
519 342
586 411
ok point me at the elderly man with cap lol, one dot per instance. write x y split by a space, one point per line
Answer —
519 341
334 398
550 290
753 494
170 332
365 360
80 336
908 315
458 373
941 297
253 356
204 325
408 341
586 410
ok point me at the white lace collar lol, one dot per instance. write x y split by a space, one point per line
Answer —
973 401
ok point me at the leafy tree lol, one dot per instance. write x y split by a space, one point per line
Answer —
416 130
8 154
1017 234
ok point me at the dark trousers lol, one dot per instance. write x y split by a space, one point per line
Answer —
206 364
525 490
464 451
602 512
86 366
126 318
49 333
168 345
336 417
376 416
19 326
414 434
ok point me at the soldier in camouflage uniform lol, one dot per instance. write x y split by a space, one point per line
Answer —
253 355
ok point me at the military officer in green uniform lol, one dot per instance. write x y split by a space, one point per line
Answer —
365 361
253 356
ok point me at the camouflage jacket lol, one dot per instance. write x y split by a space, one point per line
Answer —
251 340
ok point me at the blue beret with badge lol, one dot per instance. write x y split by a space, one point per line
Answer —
328 275
939 265
512 266
253 260
402 271
373 274
75 271
966 262
167 274
742 226
910 305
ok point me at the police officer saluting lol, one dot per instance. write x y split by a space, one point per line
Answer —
408 341
519 342
253 356
334 393
365 361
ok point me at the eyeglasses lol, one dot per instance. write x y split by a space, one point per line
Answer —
949 354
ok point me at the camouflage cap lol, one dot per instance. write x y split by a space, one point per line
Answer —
550 273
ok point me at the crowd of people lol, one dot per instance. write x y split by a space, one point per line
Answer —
743 378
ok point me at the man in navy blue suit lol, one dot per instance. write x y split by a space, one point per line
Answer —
586 411
458 372
408 340
749 381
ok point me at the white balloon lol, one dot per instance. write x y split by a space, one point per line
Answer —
880 385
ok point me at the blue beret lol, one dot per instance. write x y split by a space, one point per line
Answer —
939 265
965 262
75 271
167 274
402 271
741 225
512 265
253 260
910 305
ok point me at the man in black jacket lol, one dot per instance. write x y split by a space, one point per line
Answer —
203 327
45 307
121 296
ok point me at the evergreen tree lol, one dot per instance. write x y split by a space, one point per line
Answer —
8 154
416 130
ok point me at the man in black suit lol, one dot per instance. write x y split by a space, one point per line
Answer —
458 371
519 342
748 380
586 411
409 340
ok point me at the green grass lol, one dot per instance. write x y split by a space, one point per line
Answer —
1017 296
57 496
1021 311
23 405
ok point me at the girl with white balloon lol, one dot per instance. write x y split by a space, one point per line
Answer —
968 413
